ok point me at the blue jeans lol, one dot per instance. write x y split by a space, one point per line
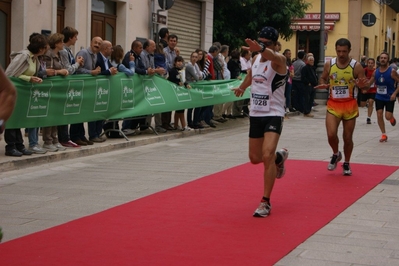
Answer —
95 128
33 136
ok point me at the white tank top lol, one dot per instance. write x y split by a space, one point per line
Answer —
267 90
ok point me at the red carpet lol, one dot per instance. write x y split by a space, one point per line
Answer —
205 222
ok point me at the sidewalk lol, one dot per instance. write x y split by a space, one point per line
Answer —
8 163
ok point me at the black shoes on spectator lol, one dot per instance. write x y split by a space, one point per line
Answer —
18 153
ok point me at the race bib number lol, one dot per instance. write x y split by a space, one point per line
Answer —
340 92
382 90
260 102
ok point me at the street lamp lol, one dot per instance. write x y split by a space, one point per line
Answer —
320 66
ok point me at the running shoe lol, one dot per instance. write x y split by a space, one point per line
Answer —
393 121
280 167
384 138
368 121
346 169
334 161
263 210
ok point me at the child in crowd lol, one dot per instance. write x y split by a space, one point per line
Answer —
175 77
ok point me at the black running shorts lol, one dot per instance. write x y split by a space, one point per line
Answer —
258 126
366 96
389 106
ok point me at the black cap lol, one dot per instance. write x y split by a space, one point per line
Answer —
269 33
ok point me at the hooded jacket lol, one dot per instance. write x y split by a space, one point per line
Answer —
20 64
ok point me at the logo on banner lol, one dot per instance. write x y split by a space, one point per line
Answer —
206 93
74 97
39 100
102 95
152 93
182 94
127 97
224 90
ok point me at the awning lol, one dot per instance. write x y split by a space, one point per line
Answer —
311 25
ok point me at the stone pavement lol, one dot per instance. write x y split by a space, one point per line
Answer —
41 191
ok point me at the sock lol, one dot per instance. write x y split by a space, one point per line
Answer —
279 158
384 134
336 153
347 163
264 199
368 117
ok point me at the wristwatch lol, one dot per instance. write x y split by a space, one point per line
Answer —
263 47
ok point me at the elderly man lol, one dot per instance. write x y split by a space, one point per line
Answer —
89 56
136 50
147 57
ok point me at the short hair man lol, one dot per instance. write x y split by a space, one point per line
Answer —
385 78
163 35
339 76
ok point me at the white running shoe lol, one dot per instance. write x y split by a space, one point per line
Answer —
263 210
346 169
280 167
334 161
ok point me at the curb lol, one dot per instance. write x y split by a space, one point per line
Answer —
15 163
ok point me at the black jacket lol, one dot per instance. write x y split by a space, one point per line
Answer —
100 62
308 76
140 68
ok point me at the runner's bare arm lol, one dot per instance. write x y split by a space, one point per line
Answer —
279 60
244 85
323 81
361 80
395 76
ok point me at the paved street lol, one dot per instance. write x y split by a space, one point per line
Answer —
41 191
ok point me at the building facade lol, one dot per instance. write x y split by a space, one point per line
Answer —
119 21
371 26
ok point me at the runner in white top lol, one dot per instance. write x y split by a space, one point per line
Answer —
267 81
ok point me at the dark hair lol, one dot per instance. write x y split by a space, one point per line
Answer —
54 39
343 42
301 55
146 44
244 52
372 59
162 32
385 53
135 44
33 35
286 51
173 36
117 53
213 49
235 54
201 63
37 42
178 59
69 33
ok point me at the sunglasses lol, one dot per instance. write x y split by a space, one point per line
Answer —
268 43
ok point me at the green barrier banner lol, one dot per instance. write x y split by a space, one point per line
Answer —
83 98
